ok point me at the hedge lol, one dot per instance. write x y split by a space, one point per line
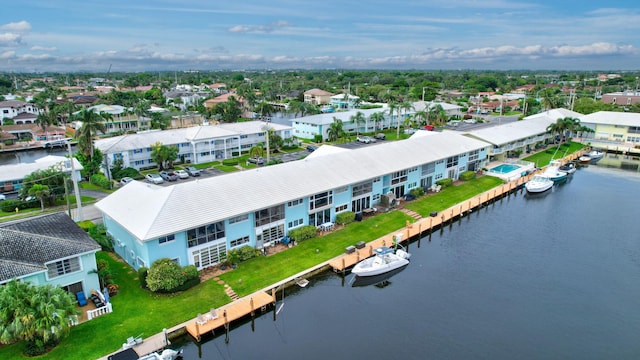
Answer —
11 205
142 276
446 182
100 180
303 233
345 217
230 162
467 175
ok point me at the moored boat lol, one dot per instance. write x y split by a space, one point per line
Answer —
385 260
568 168
554 174
585 159
538 184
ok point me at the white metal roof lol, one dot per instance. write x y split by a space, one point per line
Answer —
612 118
423 105
19 171
150 211
176 136
517 130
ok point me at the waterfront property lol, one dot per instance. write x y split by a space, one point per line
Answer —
616 131
520 137
19 111
198 144
49 249
197 222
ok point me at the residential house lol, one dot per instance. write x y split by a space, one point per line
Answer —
13 108
317 97
344 101
258 207
623 98
122 119
452 110
308 127
49 249
12 175
613 130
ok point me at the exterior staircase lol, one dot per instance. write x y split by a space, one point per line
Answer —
413 214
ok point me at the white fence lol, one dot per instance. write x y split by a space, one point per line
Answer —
99 311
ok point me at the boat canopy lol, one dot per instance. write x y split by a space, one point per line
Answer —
382 250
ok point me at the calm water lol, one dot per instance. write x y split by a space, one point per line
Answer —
554 276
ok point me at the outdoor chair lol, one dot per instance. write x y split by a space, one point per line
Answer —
82 300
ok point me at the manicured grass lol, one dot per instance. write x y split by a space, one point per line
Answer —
453 195
543 157
226 168
89 186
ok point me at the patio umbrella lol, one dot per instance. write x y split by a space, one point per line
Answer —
106 295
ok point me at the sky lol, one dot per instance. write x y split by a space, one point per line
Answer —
209 35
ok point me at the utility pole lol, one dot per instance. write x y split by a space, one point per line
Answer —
76 190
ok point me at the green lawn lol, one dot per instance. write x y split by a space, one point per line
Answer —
543 157
137 311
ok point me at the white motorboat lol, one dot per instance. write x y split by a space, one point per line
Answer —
568 168
167 354
538 184
553 172
585 159
385 260
595 155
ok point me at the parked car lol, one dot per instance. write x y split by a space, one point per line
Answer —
381 136
311 148
168 176
409 197
363 139
125 180
256 160
192 171
182 174
154 178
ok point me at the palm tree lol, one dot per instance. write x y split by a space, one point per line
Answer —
40 191
335 131
556 128
358 119
141 109
422 116
571 126
377 117
47 118
92 123
296 107
549 101
265 109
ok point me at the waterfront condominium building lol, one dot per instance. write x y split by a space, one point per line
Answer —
197 222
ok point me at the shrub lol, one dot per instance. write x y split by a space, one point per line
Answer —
242 254
142 276
345 217
11 205
303 233
446 182
317 138
166 276
417 192
128 172
467 175
100 180
99 234
230 162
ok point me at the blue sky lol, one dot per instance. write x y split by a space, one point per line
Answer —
141 35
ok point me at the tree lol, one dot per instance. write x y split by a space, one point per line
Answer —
265 109
47 118
92 123
37 314
378 119
358 119
53 178
228 111
256 151
164 155
41 192
159 121
335 131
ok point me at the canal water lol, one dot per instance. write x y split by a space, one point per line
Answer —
554 276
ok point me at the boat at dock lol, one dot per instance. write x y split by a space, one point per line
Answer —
385 260
568 168
131 354
553 172
538 184
595 155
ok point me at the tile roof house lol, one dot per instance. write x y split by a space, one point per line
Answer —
48 249
317 97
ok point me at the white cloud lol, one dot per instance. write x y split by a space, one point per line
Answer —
43 48
8 55
266 28
20 26
10 39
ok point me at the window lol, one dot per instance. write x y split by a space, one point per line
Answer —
140 262
398 177
269 215
341 208
438 176
295 223
634 130
205 234
428 169
362 188
210 255
166 239
452 161
474 155
341 189
239 218
295 202
63 267
240 241
320 200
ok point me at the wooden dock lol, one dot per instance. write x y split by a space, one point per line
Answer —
228 313
426 224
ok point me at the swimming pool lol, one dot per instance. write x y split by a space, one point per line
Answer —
505 168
